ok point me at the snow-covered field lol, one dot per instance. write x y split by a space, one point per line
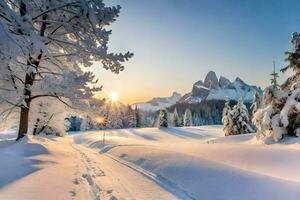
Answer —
149 163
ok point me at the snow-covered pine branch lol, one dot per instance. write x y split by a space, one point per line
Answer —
45 44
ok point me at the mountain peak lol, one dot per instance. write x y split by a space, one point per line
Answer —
175 94
159 102
224 82
211 80
218 89
239 80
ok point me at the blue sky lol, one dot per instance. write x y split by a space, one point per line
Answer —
176 42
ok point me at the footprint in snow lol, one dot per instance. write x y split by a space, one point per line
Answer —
101 173
109 191
72 193
76 181
113 198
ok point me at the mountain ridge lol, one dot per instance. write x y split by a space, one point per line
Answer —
212 88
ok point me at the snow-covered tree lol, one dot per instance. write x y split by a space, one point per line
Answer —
280 114
227 118
293 62
137 117
187 118
87 123
274 78
114 120
163 118
75 122
256 103
176 119
240 119
44 46
130 117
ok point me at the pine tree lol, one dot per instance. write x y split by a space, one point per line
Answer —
163 118
256 103
130 117
176 120
226 118
137 117
114 120
280 114
274 78
187 119
293 60
290 113
240 119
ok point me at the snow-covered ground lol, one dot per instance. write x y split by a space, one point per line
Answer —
149 163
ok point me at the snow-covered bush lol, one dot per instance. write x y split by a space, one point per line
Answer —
227 118
240 119
280 114
187 118
163 119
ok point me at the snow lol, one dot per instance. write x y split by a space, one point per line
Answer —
201 87
150 163
214 89
159 102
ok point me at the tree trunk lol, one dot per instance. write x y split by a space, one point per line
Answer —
23 125
24 115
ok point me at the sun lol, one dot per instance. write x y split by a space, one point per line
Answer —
114 96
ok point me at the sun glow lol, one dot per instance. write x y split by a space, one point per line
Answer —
100 120
114 96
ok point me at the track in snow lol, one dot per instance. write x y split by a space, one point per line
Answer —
164 183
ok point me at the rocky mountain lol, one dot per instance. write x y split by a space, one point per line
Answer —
212 88
218 89
159 102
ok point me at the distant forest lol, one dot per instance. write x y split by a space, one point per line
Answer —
205 113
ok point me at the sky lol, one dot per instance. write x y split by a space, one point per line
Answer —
176 42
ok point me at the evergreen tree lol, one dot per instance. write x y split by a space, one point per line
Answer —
227 118
113 118
137 117
293 60
256 103
163 118
240 119
187 119
274 75
130 117
176 120
280 114
290 113
75 123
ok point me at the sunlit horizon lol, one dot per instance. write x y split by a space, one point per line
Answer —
192 38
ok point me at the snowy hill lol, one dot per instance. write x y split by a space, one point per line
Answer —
149 163
218 89
159 102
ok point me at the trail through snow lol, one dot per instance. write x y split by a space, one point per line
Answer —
149 164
